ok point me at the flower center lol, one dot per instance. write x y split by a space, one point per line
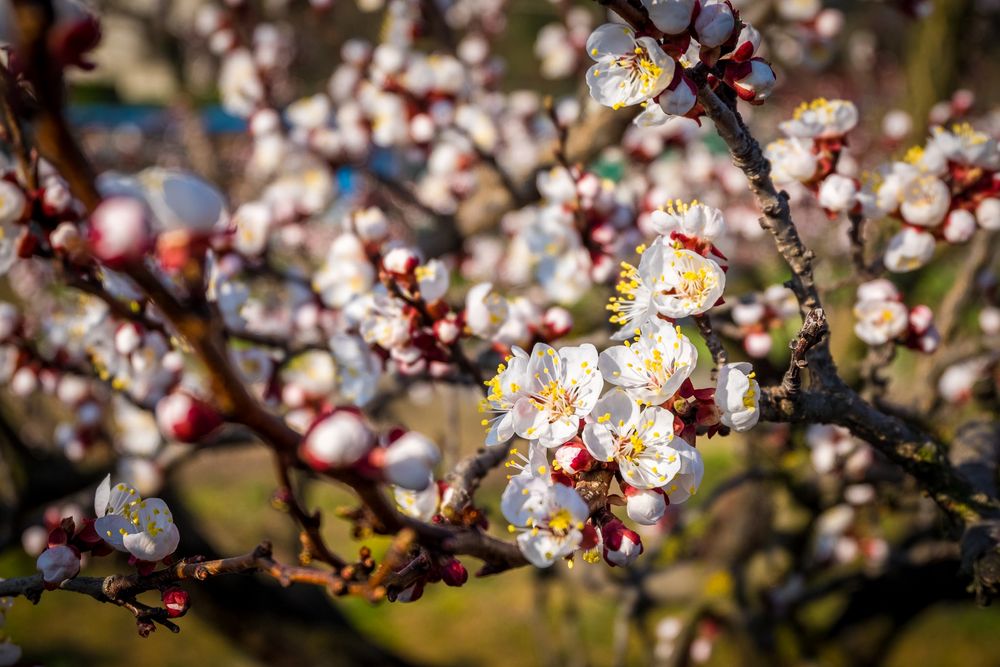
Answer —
561 522
557 400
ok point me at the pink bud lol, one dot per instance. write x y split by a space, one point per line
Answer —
558 321
56 197
589 186
447 330
57 564
757 344
573 457
753 80
746 44
959 226
401 261
921 319
714 24
408 461
680 96
412 593
183 417
645 506
929 341
24 382
622 546
176 601
338 439
119 231
454 573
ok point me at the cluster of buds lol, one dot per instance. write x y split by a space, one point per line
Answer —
173 213
341 439
939 192
427 568
650 69
810 151
65 544
883 317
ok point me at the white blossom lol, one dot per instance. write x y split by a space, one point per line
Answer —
627 70
738 396
653 365
143 528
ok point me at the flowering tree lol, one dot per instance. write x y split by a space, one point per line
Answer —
415 222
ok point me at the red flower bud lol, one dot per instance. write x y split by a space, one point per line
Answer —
176 601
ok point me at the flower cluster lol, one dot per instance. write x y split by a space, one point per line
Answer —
650 70
882 317
811 149
941 191
641 431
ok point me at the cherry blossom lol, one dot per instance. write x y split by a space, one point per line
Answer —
141 527
652 366
562 387
640 441
629 69
549 518
738 396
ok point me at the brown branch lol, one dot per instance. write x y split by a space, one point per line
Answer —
465 477
856 235
122 590
814 328
313 544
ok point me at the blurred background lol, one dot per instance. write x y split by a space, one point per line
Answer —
152 99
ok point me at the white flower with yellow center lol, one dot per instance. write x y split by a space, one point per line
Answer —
548 517
508 386
686 482
143 528
346 273
432 279
314 372
421 505
652 367
821 119
562 388
881 316
641 442
634 304
738 396
253 225
684 283
964 145
909 250
925 201
485 310
792 160
627 70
